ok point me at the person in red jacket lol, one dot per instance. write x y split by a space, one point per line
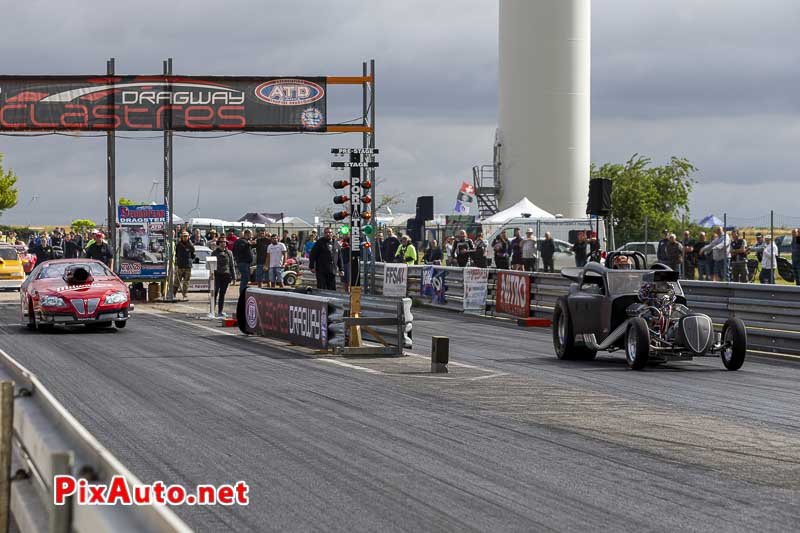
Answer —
231 238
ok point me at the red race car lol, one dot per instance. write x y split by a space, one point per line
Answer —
74 291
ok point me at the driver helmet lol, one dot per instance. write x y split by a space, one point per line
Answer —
622 262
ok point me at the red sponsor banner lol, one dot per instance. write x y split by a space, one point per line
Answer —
513 294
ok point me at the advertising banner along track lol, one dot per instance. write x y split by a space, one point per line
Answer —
145 103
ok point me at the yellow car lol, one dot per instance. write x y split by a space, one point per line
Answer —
11 272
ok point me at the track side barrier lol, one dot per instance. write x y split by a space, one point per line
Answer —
321 320
45 440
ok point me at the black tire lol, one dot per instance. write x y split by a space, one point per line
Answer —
637 344
734 339
564 336
120 323
31 317
99 325
241 312
290 280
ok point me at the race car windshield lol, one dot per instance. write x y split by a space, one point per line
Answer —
8 254
629 282
57 271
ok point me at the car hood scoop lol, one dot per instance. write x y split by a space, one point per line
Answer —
77 275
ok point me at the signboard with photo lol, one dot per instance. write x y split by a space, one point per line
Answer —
141 241
475 289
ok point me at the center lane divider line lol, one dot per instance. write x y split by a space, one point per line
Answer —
348 365
490 373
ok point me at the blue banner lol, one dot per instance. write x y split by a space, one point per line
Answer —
434 284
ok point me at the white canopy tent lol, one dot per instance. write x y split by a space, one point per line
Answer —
523 208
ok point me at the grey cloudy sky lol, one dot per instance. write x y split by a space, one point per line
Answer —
714 81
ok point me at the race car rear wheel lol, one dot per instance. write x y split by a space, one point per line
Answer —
734 339
637 343
564 336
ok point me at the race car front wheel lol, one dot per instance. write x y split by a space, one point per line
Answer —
734 344
637 344
31 317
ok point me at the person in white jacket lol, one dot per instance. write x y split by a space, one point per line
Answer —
769 261
720 250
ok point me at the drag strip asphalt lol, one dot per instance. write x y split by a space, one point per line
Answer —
510 439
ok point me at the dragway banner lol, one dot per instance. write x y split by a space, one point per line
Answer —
141 241
475 288
395 279
434 284
143 103
513 293
297 318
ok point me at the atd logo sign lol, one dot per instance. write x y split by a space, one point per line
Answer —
513 294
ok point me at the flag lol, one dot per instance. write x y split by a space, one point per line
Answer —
460 208
466 195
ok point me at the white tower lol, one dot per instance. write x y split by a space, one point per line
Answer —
544 103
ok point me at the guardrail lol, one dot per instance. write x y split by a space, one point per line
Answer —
771 312
44 440
385 320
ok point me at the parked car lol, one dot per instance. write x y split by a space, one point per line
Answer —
648 249
200 274
28 259
12 273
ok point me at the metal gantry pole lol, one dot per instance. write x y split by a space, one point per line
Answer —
111 166
374 181
169 238
365 276
774 257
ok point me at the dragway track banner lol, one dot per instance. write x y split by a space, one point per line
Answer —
475 288
513 294
395 279
146 103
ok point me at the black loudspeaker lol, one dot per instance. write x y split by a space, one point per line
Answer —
599 197
414 229
424 208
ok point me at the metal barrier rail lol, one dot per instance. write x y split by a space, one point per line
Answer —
388 321
771 312
46 441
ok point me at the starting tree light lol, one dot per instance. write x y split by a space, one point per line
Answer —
368 230
341 215
340 184
341 199
344 230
